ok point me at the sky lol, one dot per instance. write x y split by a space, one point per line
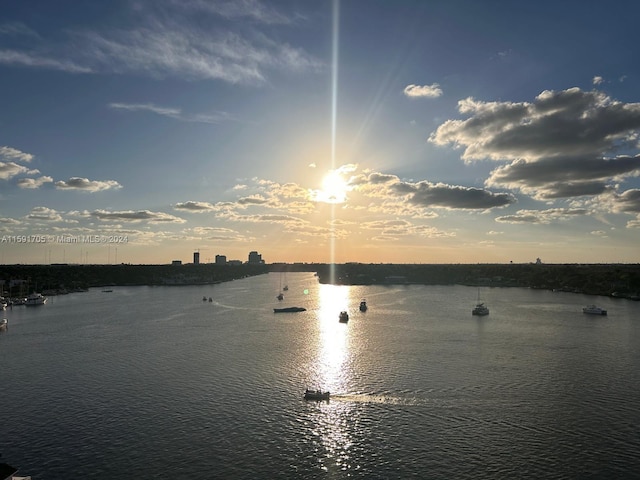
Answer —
372 131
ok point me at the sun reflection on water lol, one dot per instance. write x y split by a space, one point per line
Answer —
335 419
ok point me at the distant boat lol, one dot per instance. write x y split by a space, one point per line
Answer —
593 310
3 324
280 296
204 299
480 309
289 309
344 317
210 300
316 395
363 306
35 299
285 288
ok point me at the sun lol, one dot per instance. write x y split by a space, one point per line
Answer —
334 188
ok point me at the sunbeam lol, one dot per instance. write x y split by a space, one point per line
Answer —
334 109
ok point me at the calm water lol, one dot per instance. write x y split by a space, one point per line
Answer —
152 382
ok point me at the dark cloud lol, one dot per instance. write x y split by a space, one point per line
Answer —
448 196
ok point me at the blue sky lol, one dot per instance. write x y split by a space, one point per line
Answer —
368 131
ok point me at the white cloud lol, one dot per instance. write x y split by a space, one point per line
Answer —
9 153
429 91
84 184
33 183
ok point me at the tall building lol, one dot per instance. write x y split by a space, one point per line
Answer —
255 257
196 258
221 259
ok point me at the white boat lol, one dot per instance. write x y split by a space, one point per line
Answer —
316 395
594 310
3 324
35 299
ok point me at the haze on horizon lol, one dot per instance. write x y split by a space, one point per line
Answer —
463 133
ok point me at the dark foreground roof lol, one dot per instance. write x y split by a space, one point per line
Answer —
6 471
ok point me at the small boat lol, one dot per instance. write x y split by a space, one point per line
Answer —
204 299
289 309
210 300
316 395
363 306
285 288
594 310
35 299
344 317
3 324
480 309
280 296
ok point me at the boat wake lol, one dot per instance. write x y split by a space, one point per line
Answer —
375 398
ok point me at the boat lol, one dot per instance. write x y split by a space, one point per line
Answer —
7 472
3 324
280 296
480 309
289 309
594 310
363 306
285 288
316 395
204 299
35 299
344 317
210 300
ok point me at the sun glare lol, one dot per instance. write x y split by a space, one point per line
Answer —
334 189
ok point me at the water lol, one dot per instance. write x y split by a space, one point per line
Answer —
152 382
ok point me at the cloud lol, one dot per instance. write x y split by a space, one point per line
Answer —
628 202
174 113
428 91
134 216
456 197
427 194
11 169
33 183
561 145
197 207
8 153
44 214
542 216
192 40
84 184
597 80
13 57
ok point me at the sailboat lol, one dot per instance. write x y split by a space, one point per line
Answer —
480 309
280 296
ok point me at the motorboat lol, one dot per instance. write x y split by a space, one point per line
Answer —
316 395
480 309
3 324
289 309
344 317
363 306
594 310
280 296
35 299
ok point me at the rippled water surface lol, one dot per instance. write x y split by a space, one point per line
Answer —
152 382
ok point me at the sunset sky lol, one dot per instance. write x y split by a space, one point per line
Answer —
370 131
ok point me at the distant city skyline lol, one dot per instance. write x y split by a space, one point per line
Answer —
319 132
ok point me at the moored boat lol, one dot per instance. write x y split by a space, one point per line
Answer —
35 299
3 324
363 306
316 395
289 309
344 317
594 310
